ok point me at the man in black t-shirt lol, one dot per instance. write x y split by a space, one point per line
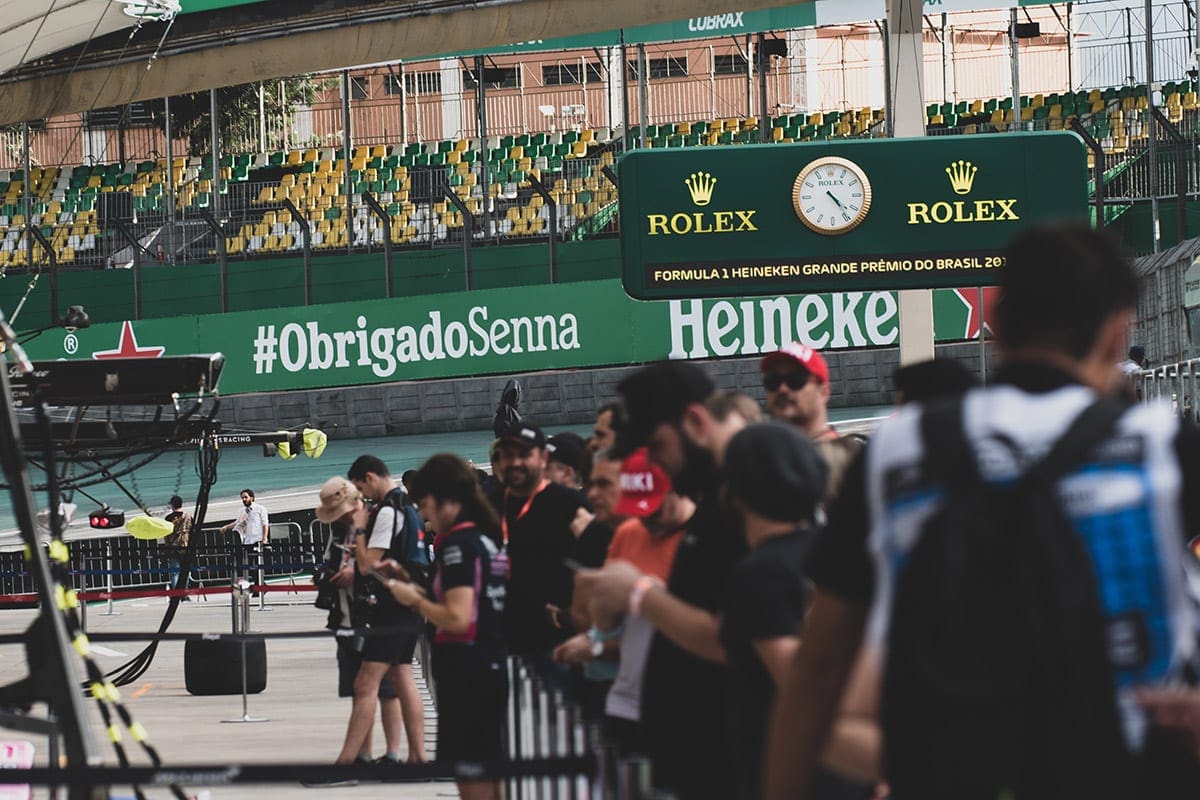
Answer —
686 423
535 531
775 479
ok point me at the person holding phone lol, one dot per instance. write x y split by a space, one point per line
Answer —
467 607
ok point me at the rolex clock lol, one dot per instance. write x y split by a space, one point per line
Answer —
831 195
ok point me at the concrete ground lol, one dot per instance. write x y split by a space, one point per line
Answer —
305 719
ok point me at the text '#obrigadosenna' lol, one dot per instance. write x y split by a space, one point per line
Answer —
300 346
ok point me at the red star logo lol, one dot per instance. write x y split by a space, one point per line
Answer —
128 347
978 315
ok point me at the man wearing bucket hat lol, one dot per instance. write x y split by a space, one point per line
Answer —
339 500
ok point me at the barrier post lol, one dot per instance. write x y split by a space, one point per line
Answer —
108 581
542 697
512 788
633 778
262 591
241 612
83 606
589 737
528 723
562 744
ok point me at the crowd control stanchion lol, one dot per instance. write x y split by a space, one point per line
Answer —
542 699
82 607
590 738
528 724
633 778
241 620
562 743
512 786
260 554
108 579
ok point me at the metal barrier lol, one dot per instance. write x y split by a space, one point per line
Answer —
1177 384
121 562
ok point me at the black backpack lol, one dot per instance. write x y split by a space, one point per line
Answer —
998 680
409 547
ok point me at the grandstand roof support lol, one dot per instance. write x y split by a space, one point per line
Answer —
1152 141
484 162
347 184
1014 54
306 240
170 181
762 60
386 222
540 188
469 231
906 107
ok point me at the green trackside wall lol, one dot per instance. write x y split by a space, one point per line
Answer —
108 295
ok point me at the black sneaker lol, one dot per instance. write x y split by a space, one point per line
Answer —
331 783
395 762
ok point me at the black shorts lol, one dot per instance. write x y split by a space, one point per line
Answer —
395 648
349 660
472 700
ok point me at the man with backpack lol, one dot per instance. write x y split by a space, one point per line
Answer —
1016 556
390 530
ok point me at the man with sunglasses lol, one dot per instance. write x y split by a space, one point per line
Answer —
796 378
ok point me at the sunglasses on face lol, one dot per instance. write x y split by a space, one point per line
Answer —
794 380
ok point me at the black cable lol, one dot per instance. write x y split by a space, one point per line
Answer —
104 693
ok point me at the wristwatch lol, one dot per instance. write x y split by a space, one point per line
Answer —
598 637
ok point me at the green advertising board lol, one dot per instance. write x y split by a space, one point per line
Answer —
500 331
854 214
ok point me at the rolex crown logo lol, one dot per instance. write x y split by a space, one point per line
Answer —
962 176
700 186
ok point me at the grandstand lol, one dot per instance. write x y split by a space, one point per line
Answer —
113 212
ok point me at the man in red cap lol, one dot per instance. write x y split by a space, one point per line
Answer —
647 540
796 378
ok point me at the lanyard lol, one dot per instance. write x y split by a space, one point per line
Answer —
524 510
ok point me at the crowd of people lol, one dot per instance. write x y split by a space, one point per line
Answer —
990 598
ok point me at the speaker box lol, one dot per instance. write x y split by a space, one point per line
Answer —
215 667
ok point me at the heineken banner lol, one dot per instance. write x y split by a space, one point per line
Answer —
499 331
832 216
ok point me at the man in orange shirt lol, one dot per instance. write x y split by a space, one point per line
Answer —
647 540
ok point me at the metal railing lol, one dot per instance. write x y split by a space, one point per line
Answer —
123 563
1177 384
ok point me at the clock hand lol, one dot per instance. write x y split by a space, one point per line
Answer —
833 198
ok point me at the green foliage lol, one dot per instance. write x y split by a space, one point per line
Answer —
238 109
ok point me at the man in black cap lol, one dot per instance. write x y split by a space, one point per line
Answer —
775 479
535 530
565 460
686 422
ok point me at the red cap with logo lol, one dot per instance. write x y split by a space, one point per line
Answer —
799 354
644 485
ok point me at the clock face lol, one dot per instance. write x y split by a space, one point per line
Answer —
831 195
